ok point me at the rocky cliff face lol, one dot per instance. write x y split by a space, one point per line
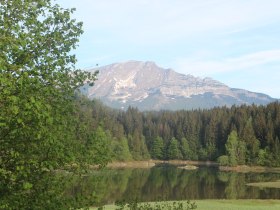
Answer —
149 87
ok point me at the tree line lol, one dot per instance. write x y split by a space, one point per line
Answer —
246 134
46 126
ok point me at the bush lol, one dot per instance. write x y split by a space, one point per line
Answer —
135 205
223 160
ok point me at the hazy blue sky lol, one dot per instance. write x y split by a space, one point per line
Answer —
234 41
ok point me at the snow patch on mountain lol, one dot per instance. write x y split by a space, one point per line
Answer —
147 86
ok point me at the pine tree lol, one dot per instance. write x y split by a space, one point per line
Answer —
173 151
231 148
157 148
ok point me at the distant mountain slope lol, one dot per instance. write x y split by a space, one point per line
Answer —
149 87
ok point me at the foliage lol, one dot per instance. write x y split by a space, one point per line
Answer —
231 148
138 147
223 160
135 205
157 151
96 148
235 150
45 125
40 121
120 150
185 149
173 151
252 143
240 204
200 134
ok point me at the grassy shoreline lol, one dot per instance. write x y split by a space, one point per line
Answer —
244 204
152 163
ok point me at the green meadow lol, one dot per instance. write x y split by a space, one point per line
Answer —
228 205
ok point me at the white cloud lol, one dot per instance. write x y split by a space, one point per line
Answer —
200 66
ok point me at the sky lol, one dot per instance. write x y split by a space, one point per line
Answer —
236 42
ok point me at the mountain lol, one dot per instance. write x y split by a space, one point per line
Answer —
149 87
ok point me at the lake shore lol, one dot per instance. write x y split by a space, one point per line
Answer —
247 169
152 163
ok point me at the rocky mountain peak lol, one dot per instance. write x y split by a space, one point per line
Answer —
149 87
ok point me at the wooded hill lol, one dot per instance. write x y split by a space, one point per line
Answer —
240 134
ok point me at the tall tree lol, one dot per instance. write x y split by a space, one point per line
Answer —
173 151
137 146
38 80
276 151
231 148
157 148
185 149
252 143
120 150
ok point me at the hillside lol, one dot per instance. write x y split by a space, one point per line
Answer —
149 87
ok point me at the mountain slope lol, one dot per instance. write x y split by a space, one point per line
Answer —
149 87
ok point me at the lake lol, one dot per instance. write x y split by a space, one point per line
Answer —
167 182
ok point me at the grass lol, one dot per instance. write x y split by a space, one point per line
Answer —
238 204
229 205
266 184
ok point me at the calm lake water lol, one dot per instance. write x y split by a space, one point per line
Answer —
167 182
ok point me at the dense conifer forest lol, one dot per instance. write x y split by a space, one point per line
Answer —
246 134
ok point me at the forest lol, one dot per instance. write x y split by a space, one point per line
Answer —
50 135
246 134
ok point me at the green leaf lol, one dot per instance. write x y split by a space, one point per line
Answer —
27 186
32 99
19 120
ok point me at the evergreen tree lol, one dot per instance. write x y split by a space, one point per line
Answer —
203 134
241 152
186 150
138 147
231 148
157 148
120 150
276 152
173 151
252 143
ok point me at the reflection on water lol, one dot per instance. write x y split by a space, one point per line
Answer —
172 183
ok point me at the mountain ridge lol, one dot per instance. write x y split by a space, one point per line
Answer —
149 87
